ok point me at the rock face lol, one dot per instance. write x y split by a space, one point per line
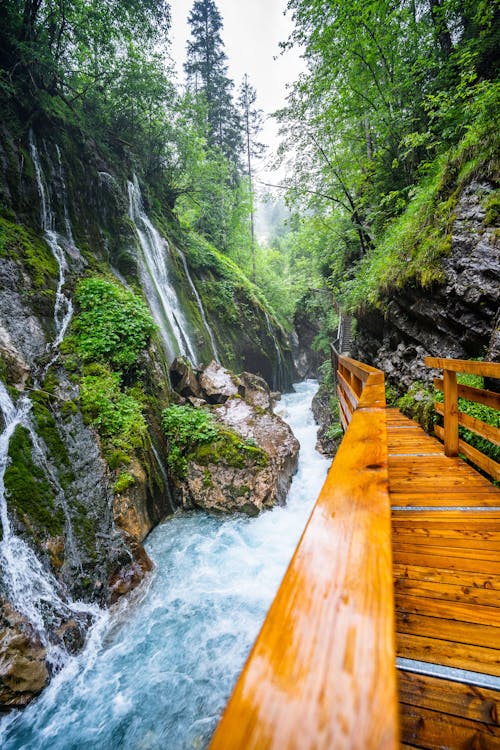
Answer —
249 466
23 671
457 318
326 419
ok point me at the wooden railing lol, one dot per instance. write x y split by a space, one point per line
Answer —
358 385
453 417
321 675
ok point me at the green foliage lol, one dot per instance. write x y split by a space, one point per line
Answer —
113 324
492 207
124 481
478 411
185 429
193 434
418 404
115 413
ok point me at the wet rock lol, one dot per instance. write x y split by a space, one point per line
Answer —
326 418
23 669
17 370
183 378
128 575
218 384
256 390
249 467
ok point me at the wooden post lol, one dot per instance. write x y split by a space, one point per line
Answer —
450 413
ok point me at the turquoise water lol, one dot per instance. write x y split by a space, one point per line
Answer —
158 669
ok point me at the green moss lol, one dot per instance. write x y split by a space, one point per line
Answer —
85 528
68 409
411 248
418 404
47 429
492 208
115 412
21 244
124 481
193 435
29 494
230 449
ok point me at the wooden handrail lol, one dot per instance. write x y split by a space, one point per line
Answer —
453 417
322 674
354 379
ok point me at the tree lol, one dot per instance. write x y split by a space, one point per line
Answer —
252 125
206 71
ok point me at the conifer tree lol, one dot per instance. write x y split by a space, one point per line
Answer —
206 71
252 125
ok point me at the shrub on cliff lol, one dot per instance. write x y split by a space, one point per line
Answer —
113 324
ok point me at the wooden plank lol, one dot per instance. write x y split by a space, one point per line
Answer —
447 697
321 674
475 498
361 370
407 555
348 392
449 630
468 515
373 396
486 369
450 610
433 730
479 395
465 579
448 653
345 405
419 538
485 463
450 413
483 429
442 552
449 592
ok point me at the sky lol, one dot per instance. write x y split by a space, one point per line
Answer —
252 32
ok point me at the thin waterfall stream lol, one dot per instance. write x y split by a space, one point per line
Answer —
157 282
157 670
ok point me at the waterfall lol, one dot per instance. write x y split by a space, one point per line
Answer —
32 590
63 309
279 377
200 306
155 273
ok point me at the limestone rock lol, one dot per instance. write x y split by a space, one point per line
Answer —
250 467
256 390
23 669
218 384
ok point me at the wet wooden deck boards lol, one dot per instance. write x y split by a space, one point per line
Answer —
446 552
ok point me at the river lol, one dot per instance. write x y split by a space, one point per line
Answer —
158 669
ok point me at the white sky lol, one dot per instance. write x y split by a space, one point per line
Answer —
251 34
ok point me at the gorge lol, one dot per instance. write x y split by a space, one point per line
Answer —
160 356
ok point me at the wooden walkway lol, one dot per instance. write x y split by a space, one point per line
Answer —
395 582
446 561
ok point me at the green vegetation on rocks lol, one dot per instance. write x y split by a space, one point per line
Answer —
29 493
113 323
194 435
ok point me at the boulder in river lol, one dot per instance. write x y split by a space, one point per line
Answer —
240 455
